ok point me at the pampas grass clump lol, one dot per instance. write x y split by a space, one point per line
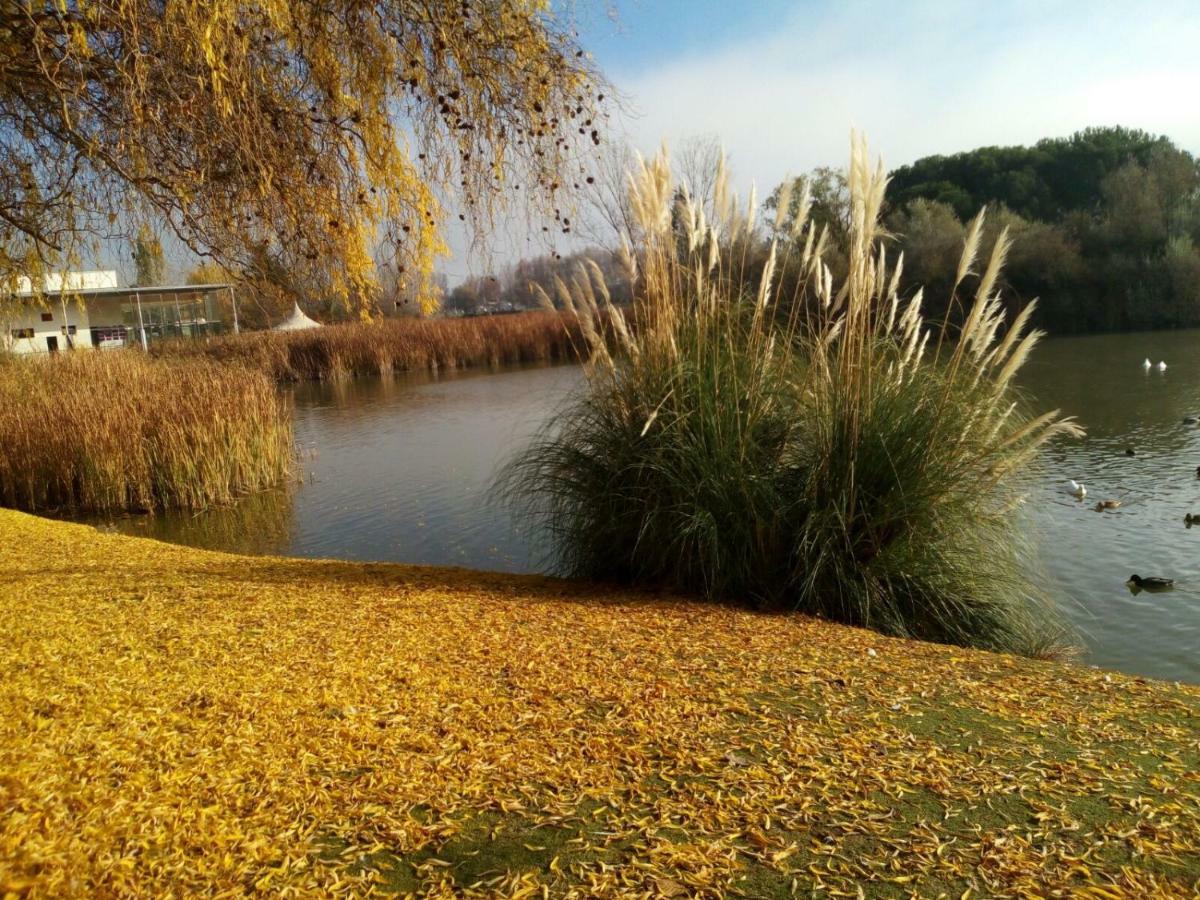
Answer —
814 455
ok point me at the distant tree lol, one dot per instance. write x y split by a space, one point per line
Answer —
148 258
1045 181
697 161
1183 274
930 235
207 273
607 213
1104 225
829 193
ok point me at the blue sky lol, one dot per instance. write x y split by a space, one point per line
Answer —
781 83
643 31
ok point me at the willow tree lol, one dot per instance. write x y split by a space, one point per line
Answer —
310 133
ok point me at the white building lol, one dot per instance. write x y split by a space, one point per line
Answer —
88 309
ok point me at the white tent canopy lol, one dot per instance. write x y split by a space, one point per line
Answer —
297 321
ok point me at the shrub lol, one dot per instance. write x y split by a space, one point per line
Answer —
114 431
750 449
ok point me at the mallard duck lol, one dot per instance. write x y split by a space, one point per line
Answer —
1129 451
1189 520
1113 504
1076 488
1190 420
1151 583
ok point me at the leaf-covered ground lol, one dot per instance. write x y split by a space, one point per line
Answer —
175 722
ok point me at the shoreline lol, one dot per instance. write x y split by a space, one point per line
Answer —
185 720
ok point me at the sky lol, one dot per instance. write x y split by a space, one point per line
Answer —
780 84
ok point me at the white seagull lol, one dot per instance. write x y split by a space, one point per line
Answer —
1147 364
1077 489
1162 366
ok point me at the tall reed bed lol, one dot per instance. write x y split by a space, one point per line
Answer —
805 452
395 345
115 431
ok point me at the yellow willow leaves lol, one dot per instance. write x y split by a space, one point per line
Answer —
289 139
176 722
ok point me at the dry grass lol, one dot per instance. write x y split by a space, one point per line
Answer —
115 431
394 345
181 723
797 447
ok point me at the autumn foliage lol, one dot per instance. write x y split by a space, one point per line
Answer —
177 722
281 136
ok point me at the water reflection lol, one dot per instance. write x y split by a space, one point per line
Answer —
397 469
258 524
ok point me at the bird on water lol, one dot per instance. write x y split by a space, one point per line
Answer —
1150 583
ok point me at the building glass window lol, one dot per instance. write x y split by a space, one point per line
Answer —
47 317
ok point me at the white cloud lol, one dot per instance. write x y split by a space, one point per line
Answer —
936 77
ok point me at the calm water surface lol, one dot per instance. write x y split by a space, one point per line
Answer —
400 470
1090 554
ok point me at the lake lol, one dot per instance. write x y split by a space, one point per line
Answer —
401 469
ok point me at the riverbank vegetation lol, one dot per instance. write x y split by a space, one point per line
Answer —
386 346
1103 227
795 444
209 724
110 432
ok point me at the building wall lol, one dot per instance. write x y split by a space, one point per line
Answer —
106 316
47 321
109 319
55 282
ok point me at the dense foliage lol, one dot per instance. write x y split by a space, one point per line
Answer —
1104 225
1054 177
824 463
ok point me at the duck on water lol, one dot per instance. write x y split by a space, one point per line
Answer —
1150 583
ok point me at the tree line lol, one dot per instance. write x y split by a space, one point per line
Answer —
1104 226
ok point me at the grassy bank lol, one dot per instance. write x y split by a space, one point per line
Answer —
175 721
110 432
394 345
